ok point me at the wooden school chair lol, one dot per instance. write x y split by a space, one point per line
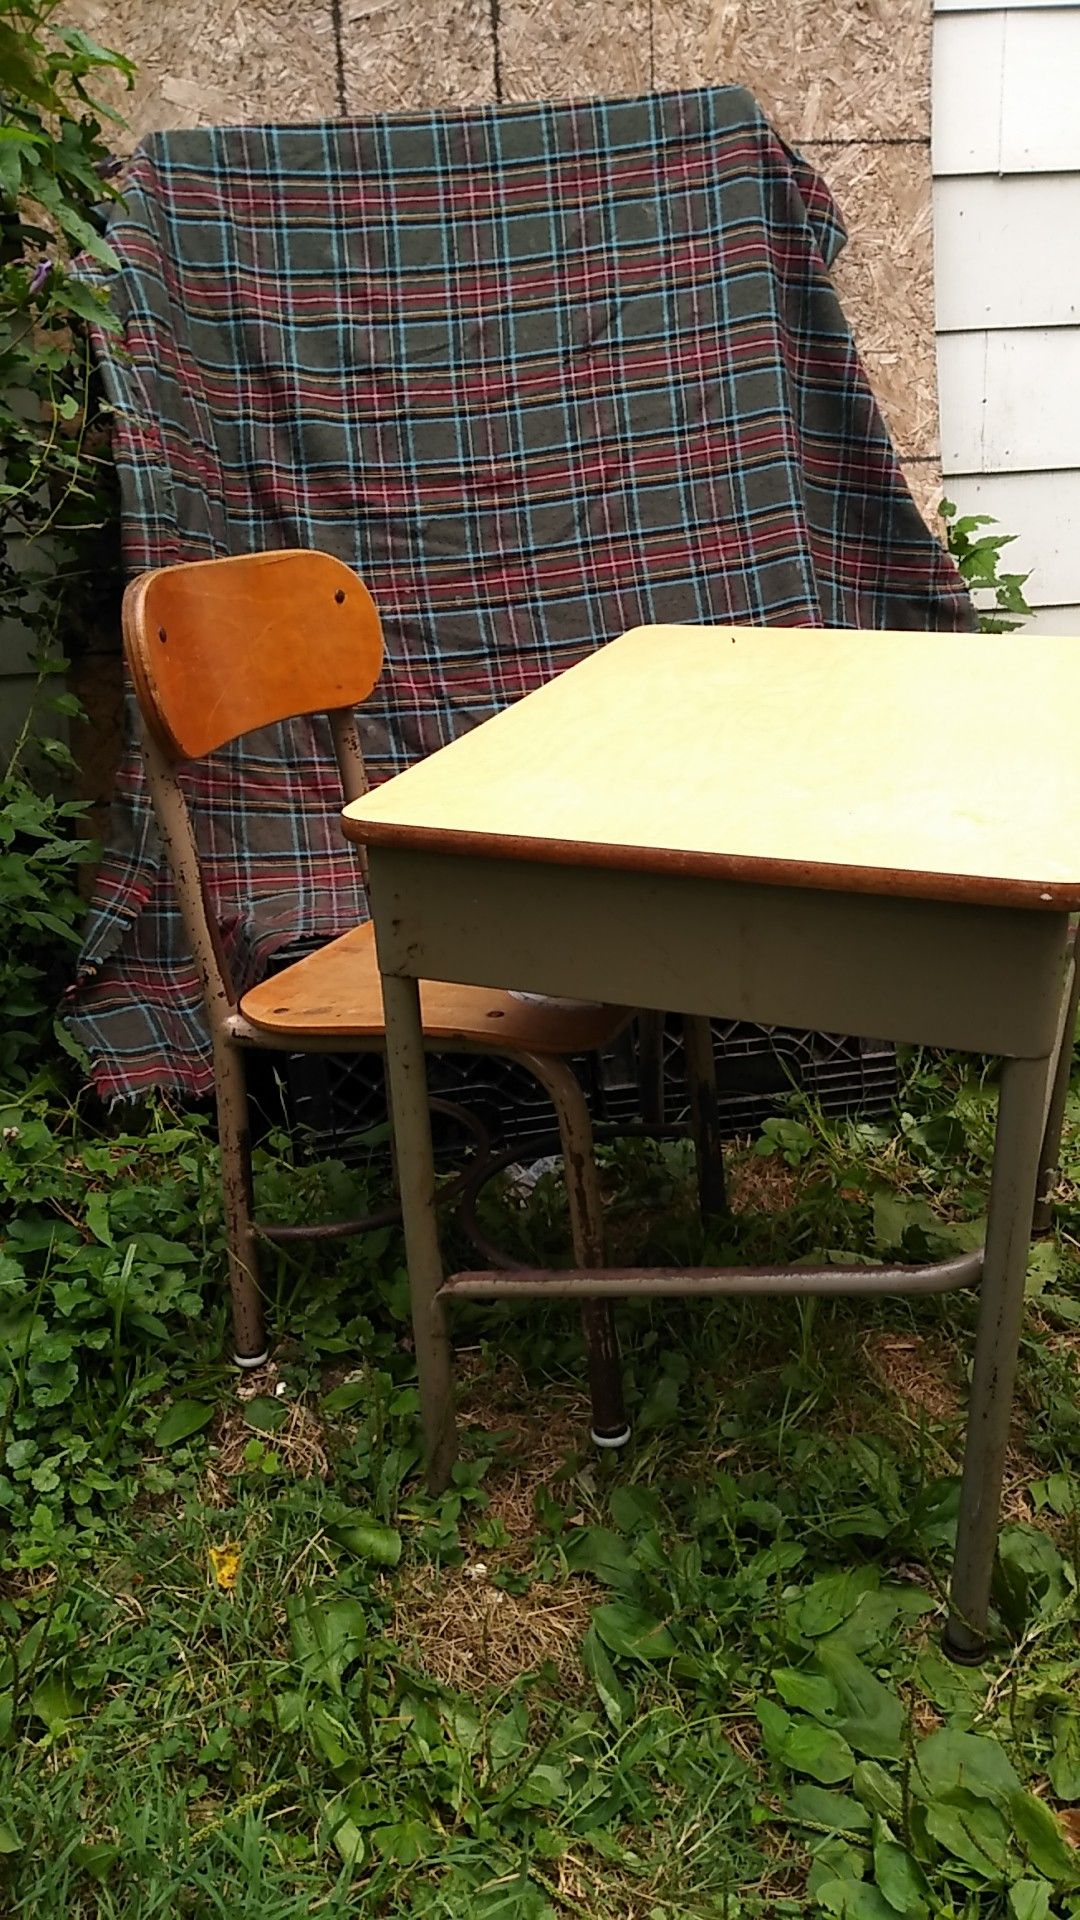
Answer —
217 648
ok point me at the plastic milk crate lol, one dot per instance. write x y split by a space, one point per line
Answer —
330 1100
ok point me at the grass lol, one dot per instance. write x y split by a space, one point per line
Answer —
275 1678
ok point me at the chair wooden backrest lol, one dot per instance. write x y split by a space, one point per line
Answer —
217 648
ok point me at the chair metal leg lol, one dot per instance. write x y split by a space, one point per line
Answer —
705 1115
407 1077
1049 1160
1001 1304
234 1141
650 1064
610 1428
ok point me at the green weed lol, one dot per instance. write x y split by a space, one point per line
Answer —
703 1680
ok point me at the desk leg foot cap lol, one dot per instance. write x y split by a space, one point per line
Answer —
964 1656
247 1362
611 1442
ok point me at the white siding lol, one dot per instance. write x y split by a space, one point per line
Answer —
1005 87
983 6
1056 620
1007 251
1006 153
1010 401
1043 511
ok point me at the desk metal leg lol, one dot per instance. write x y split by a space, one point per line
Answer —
1051 1148
1001 1304
416 1182
705 1115
650 1062
610 1427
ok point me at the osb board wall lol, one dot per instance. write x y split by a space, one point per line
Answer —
847 81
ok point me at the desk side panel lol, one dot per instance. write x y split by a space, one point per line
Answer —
980 979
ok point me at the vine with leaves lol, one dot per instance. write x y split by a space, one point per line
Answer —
999 597
57 482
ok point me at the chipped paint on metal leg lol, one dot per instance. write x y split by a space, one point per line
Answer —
1021 1112
587 1236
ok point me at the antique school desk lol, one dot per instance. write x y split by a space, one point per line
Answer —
868 833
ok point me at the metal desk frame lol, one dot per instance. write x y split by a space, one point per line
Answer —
866 833
981 979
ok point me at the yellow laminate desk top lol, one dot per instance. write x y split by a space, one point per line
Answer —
939 766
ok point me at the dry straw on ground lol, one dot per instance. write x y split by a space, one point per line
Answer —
458 1624
917 1372
471 1635
923 1376
298 1444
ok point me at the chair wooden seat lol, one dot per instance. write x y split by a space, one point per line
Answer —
337 990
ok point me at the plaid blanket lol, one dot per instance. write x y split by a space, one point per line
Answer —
540 374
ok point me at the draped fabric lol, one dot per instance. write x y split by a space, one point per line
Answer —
540 374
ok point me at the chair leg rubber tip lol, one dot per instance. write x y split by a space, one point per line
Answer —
610 1442
964 1656
247 1362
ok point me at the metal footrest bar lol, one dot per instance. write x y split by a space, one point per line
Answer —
280 1235
597 1283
